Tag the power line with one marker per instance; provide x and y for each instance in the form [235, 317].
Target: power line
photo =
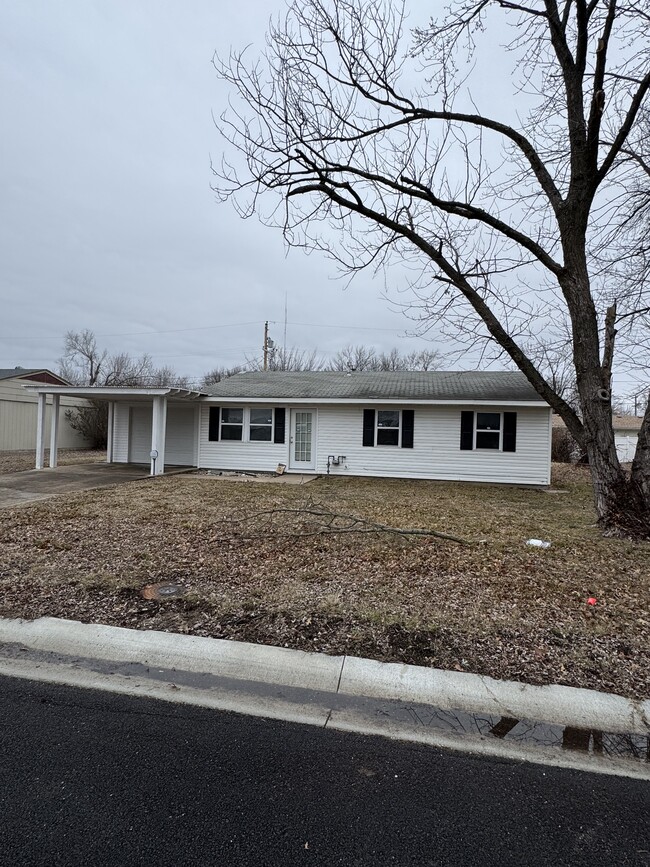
[141, 333]
[339, 326]
[345, 326]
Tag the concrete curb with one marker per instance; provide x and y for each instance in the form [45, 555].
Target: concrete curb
[474, 693]
[561, 705]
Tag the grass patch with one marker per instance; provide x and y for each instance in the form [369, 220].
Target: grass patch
[495, 606]
[19, 461]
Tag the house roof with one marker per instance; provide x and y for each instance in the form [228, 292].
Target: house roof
[627, 422]
[28, 373]
[619, 422]
[470, 386]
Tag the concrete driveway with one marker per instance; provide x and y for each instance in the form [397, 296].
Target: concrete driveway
[33, 485]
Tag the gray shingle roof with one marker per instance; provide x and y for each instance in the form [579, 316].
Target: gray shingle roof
[11, 372]
[436, 385]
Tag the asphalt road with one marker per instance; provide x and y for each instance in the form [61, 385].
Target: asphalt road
[90, 778]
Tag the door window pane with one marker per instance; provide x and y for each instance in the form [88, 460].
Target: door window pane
[302, 437]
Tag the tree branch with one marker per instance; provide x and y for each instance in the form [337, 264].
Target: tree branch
[625, 128]
[608, 351]
[493, 325]
[354, 524]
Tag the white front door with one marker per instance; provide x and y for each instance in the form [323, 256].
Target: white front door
[302, 445]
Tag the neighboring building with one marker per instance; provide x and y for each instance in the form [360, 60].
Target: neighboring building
[471, 426]
[18, 410]
[626, 434]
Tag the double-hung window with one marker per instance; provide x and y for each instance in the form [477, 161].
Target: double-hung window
[488, 430]
[232, 423]
[261, 425]
[244, 424]
[388, 427]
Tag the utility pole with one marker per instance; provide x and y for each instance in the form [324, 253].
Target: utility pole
[266, 346]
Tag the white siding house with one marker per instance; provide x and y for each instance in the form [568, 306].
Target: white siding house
[18, 410]
[132, 431]
[467, 426]
[418, 436]
[336, 446]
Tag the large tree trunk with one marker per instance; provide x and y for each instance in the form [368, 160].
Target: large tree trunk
[622, 501]
[641, 463]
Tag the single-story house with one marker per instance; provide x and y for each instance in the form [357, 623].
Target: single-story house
[626, 434]
[18, 410]
[471, 426]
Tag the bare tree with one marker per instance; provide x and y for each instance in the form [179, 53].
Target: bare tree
[423, 359]
[366, 358]
[212, 377]
[84, 363]
[159, 377]
[288, 359]
[507, 243]
[354, 358]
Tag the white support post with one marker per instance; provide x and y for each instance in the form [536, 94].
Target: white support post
[109, 432]
[54, 431]
[158, 432]
[40, 431]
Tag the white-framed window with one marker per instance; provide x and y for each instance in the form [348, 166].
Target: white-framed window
[260, 425]
[488, 430]
[232, 423]
[247, 424]
[388, 427]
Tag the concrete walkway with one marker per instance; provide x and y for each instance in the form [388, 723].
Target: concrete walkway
[33, 485]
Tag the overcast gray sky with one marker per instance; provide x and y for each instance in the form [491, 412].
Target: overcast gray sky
[109, 220]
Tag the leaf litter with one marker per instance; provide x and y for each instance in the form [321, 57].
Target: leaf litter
[495, 606]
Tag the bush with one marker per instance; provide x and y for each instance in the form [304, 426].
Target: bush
[564, 449]
[91, 422]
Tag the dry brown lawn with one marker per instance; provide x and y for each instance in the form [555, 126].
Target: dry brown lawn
[495, 606]
[17, 461]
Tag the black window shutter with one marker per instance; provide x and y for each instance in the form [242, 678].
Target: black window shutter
[213, 426]
[368, 427]
[278, 433]
[407, 428]
[467, 430]
[509, 431]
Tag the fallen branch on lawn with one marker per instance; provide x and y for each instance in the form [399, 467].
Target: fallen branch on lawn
[330, 524]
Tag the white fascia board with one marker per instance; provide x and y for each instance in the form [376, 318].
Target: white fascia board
[113, 393]
[364, 401]
[105, 393]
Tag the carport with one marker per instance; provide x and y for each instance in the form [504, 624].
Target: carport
[154, 407]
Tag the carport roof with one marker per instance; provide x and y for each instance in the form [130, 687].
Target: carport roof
[115, 393]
